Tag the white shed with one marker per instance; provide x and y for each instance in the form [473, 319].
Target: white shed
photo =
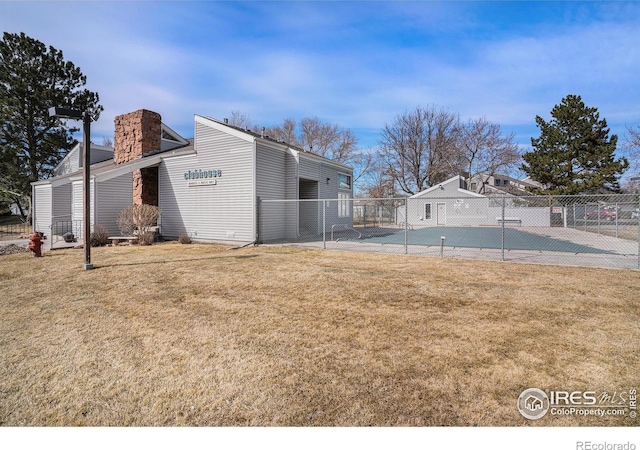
[446, 203]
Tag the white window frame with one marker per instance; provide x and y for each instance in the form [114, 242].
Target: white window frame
[427, 216]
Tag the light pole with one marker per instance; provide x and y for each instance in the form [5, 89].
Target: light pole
[76, 114]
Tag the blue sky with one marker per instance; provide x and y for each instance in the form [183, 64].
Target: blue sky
[357, 64]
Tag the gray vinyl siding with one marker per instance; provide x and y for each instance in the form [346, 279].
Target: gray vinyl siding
[224, 211]
[62, 201]
[77, 206]
[270, 185]
[309, 169]
[113, 196]
[291, 193]
[61, 212]
[43, 209]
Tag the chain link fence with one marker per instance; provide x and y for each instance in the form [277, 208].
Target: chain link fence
[13, 227]
[597, 230]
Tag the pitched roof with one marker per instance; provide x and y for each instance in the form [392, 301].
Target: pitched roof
[267, 139]
[109, 169]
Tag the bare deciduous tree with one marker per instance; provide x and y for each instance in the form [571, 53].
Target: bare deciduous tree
[315, 136]
[420, 148]
[362, 162]
[634, 136]
[632, 147]
[285, 132]
[242, 120]
[326, 139]
[379, 183]
[485, 151]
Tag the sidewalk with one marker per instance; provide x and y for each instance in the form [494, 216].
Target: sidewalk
[46, 244]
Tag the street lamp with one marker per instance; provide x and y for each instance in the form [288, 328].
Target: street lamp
[76, 114]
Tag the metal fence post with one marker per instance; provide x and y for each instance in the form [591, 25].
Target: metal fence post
[504, 201]
[406, 225]
[324, 224]
[617, 219]
[364, 216]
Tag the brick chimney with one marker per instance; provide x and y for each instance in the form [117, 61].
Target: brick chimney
[136, 134]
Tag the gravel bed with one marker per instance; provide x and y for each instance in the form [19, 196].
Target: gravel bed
[12, 249]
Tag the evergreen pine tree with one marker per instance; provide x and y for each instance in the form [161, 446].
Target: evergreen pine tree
[574, 153]
[34, 78]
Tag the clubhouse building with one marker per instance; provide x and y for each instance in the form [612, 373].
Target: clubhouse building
[208, 187]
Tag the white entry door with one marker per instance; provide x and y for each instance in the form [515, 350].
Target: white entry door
[441, 211]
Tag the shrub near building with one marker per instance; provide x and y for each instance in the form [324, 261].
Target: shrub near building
[140, 221]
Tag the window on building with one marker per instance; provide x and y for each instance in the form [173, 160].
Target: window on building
[344, 181]
[427, 211]
[168, 137]
[474, 186]
[497, 182]
[505, 182]
[343, 205]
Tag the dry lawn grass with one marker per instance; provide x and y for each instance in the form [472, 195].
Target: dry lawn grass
[198, 335]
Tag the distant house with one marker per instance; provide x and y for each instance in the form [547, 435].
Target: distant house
[500, 185]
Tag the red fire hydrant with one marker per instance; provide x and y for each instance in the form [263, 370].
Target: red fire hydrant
[36, 244]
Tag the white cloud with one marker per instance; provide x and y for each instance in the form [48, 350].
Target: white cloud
[358, 65]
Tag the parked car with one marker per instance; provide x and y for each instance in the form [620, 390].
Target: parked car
[607, 213]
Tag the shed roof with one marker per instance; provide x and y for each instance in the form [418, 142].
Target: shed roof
[452, 186]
